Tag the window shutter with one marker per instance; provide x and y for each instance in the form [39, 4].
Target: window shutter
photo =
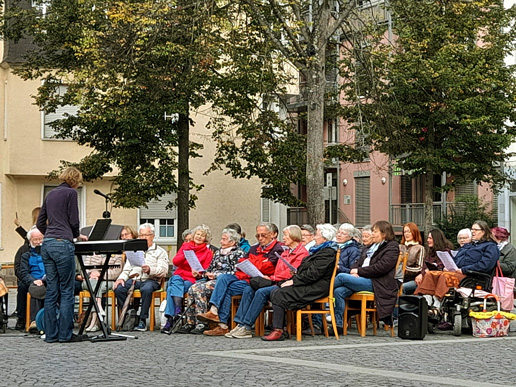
[467, 189]
[362, 201]
[265, 210]
[156, 208]
[48, 131]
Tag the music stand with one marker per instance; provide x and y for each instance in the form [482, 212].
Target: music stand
[100, 229]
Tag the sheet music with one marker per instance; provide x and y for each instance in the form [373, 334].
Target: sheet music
[292, 268]
[447, 260]
[248, 268]
[135, 258]
[193, 261]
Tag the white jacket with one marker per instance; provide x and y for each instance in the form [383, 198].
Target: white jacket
[156, 258]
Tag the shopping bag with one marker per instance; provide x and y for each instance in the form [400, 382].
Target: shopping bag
[503, 287]
[491, 324]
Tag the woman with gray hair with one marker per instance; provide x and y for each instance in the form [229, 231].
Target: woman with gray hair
[309, 283]
[349, 248]
[198, 296]
[464, 236]
[184, 276]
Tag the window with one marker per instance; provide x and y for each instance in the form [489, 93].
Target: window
[332, 131]
[362, 201]
[61, 112]
[80, 200]
[164, 221]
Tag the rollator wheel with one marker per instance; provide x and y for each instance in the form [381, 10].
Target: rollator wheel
[457, 324]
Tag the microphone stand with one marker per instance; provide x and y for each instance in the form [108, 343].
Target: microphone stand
[106, 214]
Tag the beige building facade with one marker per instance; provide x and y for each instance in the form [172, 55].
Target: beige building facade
[27, 155]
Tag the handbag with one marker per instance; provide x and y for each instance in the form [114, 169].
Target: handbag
[503, 287]
[260, 282]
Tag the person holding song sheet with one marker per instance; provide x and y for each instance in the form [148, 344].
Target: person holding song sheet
[311, 281]
[480, 255]
[256, 296]
[154, 268]
[194, 253]
[261, 255]
[198, 296]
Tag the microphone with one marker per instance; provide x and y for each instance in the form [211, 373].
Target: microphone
[97, 192]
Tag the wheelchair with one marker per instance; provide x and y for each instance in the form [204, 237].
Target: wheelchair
[456, 307]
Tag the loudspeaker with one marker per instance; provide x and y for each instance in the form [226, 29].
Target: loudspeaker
[412, 317]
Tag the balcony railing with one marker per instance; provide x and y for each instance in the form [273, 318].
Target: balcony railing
[413, 212]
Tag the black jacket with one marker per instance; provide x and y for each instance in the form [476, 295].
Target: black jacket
[312, 281]
[381, 271]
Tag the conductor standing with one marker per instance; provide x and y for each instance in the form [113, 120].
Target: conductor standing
[59, 222]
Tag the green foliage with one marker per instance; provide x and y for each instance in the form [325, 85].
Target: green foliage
[126, 64]
[439, 96]
[463, 213]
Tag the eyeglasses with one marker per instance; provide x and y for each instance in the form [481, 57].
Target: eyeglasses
[261, 235]
[463, 238]
[145, 235]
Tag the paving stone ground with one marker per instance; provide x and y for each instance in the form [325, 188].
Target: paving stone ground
[155, 359]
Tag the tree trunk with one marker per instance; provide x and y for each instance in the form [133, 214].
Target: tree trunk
[314, 155]
[183, 182]
[316, 82]
[429, 202]
[429, 184]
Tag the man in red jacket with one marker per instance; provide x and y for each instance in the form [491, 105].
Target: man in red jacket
[262, 256]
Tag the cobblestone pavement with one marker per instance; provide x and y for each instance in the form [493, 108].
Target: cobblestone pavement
[188, 360]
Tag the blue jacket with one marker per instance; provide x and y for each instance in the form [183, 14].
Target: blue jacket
[349, 254]
[244, 245]
[31, 266]
[477, 256]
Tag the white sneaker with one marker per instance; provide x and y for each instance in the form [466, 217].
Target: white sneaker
[232, 331]
[243, 334]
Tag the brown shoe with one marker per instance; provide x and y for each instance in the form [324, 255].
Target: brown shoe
[218, 331]
[208, 316]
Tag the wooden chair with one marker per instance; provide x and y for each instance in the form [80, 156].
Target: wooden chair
[259, 324]
[330, 300]
[27, 313]
[367, 306]
[159, 294]
[111, 294]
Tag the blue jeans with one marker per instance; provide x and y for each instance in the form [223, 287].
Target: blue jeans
[227, 286]
[345, 286]
[146, 289]
[252, 304]
[177, 287]
[409, 287]
[59, 260]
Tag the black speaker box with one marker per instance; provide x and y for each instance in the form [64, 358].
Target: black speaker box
[412, 317]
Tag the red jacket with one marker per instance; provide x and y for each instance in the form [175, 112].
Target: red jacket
[263, 258]
[183, 268]
[295, 257]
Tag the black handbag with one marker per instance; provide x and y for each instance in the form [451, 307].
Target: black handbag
[260, 282]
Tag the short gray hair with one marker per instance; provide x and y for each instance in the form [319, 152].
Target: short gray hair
[150, 226]
[307, 227]
[349, 228]
[267, 225]
[33, 230]
[328, 232]
[465, 231]
[205, 229]
[186, 233]
[232, 234]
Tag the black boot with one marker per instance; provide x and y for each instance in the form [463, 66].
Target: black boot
[20, 324]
